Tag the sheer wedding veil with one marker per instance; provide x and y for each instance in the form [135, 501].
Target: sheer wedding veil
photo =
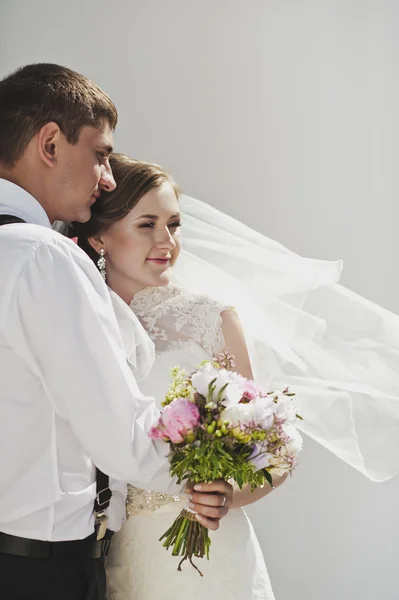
[337, 351]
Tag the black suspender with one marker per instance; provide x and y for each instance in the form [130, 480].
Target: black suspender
[103, 492]
[101, 504]
[6, 219]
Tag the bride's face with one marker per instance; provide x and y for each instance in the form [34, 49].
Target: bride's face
[141, 249]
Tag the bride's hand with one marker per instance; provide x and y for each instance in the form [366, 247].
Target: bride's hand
[210, 501]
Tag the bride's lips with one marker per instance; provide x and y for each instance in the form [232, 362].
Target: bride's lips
[159, 261]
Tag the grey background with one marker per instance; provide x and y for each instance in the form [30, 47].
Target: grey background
[283, 113]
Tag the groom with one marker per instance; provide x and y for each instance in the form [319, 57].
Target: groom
[68, 400]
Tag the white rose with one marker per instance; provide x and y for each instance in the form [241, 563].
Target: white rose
[203, 377]
[285, 409]
[239, 414]
[264, 409]
[296, 442]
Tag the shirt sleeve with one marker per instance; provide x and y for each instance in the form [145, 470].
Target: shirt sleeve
[59, 319]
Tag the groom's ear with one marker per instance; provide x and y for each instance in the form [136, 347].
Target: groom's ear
[96, 243]
[48, 140]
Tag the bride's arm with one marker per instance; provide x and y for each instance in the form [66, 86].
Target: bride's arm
[234, 342]
[236, 346]
[245, 496]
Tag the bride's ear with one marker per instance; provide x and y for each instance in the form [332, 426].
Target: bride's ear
[96, 243]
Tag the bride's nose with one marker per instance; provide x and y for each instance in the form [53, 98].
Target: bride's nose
[165, 240]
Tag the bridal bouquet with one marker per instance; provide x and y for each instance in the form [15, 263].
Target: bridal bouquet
[220, 425]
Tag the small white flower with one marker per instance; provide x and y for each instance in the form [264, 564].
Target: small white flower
[279, 471]
[211, 405]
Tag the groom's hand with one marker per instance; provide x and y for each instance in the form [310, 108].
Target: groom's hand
[210, 501]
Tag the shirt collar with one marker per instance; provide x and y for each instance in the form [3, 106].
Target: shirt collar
[16, 201]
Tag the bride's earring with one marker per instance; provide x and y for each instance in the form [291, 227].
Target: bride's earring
[101, 264]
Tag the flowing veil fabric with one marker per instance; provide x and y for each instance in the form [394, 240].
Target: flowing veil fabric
[338, 351]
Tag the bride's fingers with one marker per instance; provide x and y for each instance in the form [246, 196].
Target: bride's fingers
[208, 523]
[219, 485]
[211, 500]
[220, 490]
[208, 510]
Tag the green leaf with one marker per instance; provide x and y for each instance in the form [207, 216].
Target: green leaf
[268, 477]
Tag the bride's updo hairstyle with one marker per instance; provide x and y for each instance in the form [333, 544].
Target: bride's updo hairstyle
[134, 178]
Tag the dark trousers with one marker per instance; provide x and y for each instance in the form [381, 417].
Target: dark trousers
[24, 578]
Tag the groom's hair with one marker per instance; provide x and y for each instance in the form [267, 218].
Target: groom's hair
[41, 93]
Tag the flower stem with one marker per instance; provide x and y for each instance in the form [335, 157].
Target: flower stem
[188, 539]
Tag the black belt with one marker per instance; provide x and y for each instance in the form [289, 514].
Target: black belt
[87, 548]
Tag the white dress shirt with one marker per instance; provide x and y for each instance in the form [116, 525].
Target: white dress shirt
[68, 399]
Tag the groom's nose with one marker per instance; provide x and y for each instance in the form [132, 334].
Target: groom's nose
[107, 181]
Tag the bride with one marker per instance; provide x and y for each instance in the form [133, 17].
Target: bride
[137, 227]
[337, 350]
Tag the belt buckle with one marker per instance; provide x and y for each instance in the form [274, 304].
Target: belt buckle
[102, 524]
[107, 496]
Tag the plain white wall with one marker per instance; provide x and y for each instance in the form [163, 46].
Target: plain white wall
[284, 114]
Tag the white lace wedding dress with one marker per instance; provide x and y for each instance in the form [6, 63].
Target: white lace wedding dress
[186, 329]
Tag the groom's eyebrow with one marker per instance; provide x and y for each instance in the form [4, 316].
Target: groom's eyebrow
[106, 149]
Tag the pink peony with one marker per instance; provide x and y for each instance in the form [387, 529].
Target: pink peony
[180, 417]
[157, 433]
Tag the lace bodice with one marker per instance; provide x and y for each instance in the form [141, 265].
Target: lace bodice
[186, 328]
[174, 317]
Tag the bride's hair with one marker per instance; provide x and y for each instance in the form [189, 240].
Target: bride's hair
[133, 178]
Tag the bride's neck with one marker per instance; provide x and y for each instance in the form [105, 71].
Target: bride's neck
[125, 291]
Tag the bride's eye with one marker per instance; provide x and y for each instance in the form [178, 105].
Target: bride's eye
[173, 227]
[147, 225]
